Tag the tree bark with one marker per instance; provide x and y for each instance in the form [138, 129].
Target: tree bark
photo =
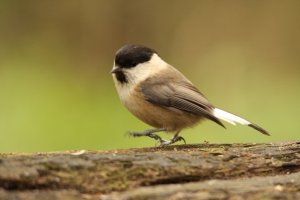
[200, 171]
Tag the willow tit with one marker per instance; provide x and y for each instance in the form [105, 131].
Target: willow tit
[161, 96]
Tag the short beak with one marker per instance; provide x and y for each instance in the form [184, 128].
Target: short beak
[115, 70]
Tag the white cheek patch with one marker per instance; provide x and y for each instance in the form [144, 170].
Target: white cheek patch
[136, 75]
[145, 70]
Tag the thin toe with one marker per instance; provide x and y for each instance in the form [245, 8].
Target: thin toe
[133, 134]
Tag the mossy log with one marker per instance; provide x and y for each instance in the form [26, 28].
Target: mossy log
[200, 171]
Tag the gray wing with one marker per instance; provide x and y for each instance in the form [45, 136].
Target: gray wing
[181, 95]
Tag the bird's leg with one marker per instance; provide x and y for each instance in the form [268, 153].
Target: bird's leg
[149, 133]
[175, 139]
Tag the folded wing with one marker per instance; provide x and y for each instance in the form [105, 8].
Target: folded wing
[178, 95]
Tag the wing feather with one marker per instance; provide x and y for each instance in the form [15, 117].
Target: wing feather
[179, 95]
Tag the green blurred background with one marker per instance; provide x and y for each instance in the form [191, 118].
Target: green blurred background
[56, 90]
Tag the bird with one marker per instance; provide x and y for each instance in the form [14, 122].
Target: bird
[162, 97]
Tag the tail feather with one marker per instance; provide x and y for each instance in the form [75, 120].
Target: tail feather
[258, 128]
[233, 119]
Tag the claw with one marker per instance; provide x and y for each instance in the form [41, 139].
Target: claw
[179, 138]
[175, 139]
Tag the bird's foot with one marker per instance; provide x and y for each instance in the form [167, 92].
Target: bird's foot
[148, 133]
[161, 142]
[175, 139]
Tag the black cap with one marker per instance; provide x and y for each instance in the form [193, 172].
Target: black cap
[131, 55]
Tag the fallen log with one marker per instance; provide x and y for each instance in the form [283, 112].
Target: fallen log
[200, 171]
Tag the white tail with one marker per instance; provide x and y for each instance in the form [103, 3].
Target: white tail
[233, 119]
[230, 118]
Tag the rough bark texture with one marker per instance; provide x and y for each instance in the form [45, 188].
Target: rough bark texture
[202, 171]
